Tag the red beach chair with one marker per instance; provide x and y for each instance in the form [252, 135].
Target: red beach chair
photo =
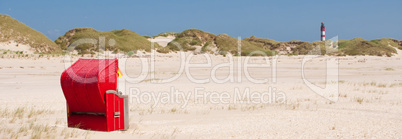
[93, 102]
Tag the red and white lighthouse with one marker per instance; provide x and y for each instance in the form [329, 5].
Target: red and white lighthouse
[322, 31]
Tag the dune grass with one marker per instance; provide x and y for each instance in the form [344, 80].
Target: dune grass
[262, 43]
[187, 39]
[13, 30]
[224, 43]
[359, 46]
[117, 40]
[165, 34]
[128, 41]
[389, 69]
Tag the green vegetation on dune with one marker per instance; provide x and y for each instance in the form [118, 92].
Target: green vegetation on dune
[124, 40]
[202, 42]
[146, 36]
[293, 47]
[263, 43]
[190, 38]
[359, 46]
[13, 30]
[224, 44]
[388, 42]
[303, 48]
[165, 34]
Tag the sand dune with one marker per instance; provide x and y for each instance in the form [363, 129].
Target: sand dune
[14, 46]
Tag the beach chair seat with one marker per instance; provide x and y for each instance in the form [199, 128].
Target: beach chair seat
[93, 101]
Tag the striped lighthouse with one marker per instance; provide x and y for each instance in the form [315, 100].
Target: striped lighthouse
[322, 31]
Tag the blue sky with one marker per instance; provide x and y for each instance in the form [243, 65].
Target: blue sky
[279, 20]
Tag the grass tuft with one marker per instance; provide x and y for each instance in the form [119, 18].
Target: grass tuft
[389, 69]
[359, 100]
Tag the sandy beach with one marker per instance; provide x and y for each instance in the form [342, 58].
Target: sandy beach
[368, 105]
[200, 69]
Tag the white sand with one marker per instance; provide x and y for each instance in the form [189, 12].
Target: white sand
[369, 105]
[162, 41]
[14, 46]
